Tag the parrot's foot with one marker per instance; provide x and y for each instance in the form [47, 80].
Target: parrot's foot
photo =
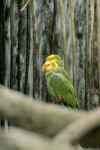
[60, 97]
[61, 102]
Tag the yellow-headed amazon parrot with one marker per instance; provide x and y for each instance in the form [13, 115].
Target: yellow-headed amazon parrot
[59, 84]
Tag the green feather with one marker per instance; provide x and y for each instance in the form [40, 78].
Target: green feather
[59, 83]
[59, 61]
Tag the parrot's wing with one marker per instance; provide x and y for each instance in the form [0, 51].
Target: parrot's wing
[62, 71]
[51, 90]
[62, 87]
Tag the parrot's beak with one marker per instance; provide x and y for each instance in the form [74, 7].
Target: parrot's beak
[43, 69]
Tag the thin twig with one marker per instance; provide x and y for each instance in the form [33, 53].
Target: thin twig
[27, 2]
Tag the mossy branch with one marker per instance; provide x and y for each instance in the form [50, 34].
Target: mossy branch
[84, 125]
[34, 115]
[23, 140]
[50, 120]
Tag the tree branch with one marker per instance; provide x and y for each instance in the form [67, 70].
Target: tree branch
[34, 115]
[23, 140]
[75, 132]
[48, 119]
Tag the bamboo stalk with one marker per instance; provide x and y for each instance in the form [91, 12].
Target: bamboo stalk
[63, 22]
[91, 38]
[53, 35]
[86, 55]
[33, 28]
[98, 41]
[11, 37]
[73, 45]
[91, 30]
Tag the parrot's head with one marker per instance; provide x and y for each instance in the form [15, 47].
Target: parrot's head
[49, 66]
[53, 57]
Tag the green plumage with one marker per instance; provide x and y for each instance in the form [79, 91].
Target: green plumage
[59, 83]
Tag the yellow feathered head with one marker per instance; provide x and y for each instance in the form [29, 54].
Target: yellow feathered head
[53, 57]
[49, 66]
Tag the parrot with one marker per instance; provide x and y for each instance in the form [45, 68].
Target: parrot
[59, 84]
[57, 58]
